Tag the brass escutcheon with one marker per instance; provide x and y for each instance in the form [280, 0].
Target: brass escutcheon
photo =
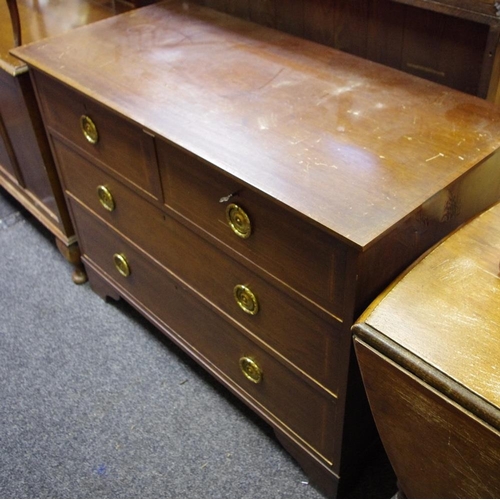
[238, 220]
[122, 264]
[89, 129]
[106, 198]
[246, 299]
[251, 370]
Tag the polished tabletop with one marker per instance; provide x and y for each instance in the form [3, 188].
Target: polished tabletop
[446, 312]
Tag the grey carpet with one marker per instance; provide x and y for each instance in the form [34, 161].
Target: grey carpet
[95, 403]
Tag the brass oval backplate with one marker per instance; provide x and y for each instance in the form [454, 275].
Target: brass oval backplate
[122, 264]
[246, 299]
[106, 198]
[251, 370]
[89, 129]
[238, 220]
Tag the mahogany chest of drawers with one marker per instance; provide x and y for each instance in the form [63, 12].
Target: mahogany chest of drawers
[429, 350]
[251, 192]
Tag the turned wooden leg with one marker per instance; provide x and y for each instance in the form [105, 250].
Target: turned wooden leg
[72, 254]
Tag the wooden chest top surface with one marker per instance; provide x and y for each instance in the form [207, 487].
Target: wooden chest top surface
[445, 309]
[350, 144]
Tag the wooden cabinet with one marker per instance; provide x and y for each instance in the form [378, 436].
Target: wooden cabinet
[251, 192]
[452, 42]
[27, 168]
[428, 351]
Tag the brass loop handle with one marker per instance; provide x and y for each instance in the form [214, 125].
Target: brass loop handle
[251, 370]
[122, 264]
[246, 299]
[106, 198]
[238, 220]
[89, 129]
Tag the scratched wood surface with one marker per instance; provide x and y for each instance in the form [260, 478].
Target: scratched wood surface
[445, 310]
[298, 118]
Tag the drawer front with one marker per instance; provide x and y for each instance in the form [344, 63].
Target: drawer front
[120, 145]
[303, 338]
[304, 257]
[309, 413]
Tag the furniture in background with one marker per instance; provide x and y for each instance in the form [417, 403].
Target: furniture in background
[429, 351]
[251, 192]
[27, 169]
[452, 42]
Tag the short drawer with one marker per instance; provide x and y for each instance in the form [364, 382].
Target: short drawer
[249, 370]
[101, 134]
[305, 339]
[299, 254]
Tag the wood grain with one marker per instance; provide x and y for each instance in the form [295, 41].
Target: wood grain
[445, 310]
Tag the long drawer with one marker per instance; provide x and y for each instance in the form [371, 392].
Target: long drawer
[306, 340]
[103, 136]
[262, 231]
[248, 369]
